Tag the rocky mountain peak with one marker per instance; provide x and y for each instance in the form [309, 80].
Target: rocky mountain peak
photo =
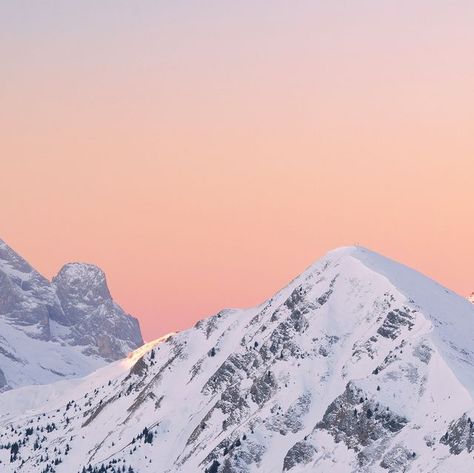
[9, 258]
[82, 282]
[95, 320]
[73, 322]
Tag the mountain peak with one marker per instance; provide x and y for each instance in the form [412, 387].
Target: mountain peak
[81, 270]
[84, 280]
[95, 320]
[26, 298]
[450, 317]
[69, 326]
[360, 361]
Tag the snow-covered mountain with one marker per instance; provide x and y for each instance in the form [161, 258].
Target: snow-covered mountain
[471, 298]
[50, 331]
[360, 364]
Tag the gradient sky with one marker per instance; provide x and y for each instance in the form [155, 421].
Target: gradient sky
[204, 153]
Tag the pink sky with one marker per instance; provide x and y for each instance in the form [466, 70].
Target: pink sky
[205, 154]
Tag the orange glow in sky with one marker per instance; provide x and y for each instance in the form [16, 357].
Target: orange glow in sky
[205, 153]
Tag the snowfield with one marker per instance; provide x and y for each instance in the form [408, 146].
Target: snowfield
[360, 364]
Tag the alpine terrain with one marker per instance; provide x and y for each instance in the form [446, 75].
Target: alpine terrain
[360, 364]
[51, 331]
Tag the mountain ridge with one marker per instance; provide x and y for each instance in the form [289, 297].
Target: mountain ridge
[341, 369]
[66, 327]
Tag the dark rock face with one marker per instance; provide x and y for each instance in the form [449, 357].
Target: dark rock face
[3, 381]
[358, 422]
[460, 436]
[95, 320]
[395, 320]
[263, 388]
[300, 453]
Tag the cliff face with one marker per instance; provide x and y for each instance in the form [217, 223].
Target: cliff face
[96, 322]
[27, 299]
[53, 330]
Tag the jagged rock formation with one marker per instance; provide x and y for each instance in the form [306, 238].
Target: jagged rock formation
[52, 331]
[358, 365]
[26, 298]
[96, 322]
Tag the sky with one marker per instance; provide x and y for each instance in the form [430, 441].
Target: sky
[205, 153]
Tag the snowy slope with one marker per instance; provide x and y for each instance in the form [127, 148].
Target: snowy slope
[54, 331]
[360, 364]
[471, 298]
[25, 360]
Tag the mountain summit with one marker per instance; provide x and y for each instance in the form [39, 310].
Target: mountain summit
[360, 364]
[50, 331]
[96, 322]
